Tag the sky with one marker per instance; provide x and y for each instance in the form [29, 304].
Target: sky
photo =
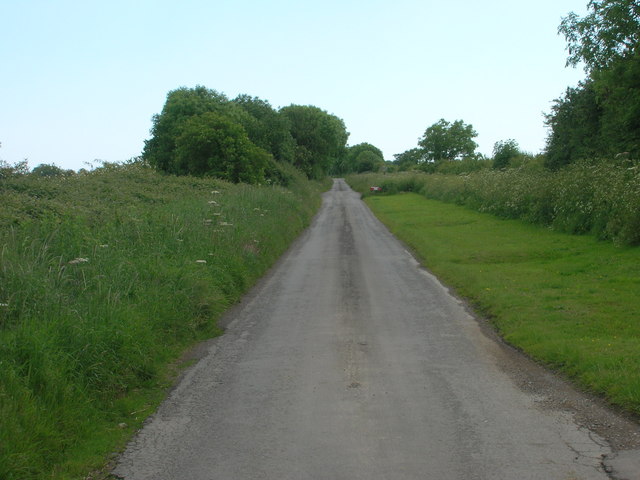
[81, 80]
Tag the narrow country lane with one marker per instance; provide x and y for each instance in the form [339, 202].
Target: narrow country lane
[351, 362]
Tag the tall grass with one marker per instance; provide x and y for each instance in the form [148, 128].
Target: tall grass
[598, 198]
[104, 279]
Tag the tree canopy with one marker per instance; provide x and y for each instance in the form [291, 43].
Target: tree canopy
[269, 129]
[409, 158]
[601, 116]
[181, 104]
[352, 161]
[368, 161]
[320, 138]
[201, 132]
[213, 145]
[503, 152]
[448, 141]
[574, 124]
[610, 32]
[50, 170]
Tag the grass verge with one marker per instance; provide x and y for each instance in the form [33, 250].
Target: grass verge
[105, 278]
[599, 197]
[568, 301]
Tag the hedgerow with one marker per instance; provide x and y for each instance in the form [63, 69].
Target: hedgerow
[598, 198]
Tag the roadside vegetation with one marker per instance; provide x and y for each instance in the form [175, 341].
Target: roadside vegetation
[105, 278]
[601, 198]
[571, 302]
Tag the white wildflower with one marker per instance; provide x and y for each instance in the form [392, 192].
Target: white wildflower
[75, 261]
[201, 261]
[215, 192]
[4, 305]
[213, 202]
[226, 224]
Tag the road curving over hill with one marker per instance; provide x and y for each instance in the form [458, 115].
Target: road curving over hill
[349, 361]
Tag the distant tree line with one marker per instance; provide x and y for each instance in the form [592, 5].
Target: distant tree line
[202, 132]
[449, 147]
[359, 158]
[442, 146]
[600, 118]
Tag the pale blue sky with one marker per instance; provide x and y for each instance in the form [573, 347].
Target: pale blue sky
[80, 80]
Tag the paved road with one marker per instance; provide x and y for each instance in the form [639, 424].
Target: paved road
[350, 362]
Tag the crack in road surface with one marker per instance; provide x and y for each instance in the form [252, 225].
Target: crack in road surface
[350, 362]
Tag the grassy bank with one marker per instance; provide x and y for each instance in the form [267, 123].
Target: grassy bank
[569, 301]
[597, 198]
[105, 278]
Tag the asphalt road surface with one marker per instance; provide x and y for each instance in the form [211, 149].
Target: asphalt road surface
[349, 361]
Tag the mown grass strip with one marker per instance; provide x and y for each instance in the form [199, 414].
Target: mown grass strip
[598, 197]
[569, 301]
[105, 278]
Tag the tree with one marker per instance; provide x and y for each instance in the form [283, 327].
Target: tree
[213, 145]
[181, 104]
[355, 150]
[601, 117]
[448, 141]
[409, 158]
[574, 123]
[46, 170]
[368, 161]
[348, 162]
[617, 91]
[271, 130]
[610, 32]
[320, 138]
[503, 152]
[19, 168]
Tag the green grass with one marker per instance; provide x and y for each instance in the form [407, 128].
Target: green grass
[569, 301]
[105, 278]
[599, 197]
